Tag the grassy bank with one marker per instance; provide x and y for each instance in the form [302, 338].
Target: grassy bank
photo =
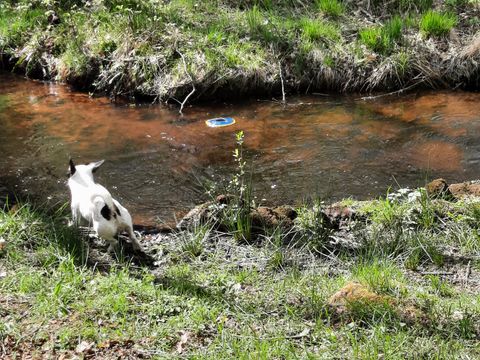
[222, 49]
[414, 264]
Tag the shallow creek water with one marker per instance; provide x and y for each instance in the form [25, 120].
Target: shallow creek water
[157, 164]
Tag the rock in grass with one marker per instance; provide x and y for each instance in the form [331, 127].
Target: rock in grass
[355, 301]
[196, 216]
[352, 293]
[438, 188]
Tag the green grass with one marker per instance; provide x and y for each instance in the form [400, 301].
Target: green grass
[434, 23]
[212, 297]
[332, 8]
[319, 30]
[383, 39]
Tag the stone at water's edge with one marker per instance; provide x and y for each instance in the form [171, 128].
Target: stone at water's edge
[438, 188]
[262, 217]
[338, 215]
[265, 217]
[465, 189]
[200, 214]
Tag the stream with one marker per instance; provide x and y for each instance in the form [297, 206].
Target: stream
[159, 164]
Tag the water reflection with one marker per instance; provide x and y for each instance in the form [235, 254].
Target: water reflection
[157, 163]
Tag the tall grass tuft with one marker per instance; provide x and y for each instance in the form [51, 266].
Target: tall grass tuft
[434, 23]
[383, 39]
[332, 8]
[258, 24]
[313, 225]
[315, 30]
[192, 242]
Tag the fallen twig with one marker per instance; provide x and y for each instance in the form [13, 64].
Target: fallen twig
[392, 93]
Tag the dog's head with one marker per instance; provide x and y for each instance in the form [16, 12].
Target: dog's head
[84, 172]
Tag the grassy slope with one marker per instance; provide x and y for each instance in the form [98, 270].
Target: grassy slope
[138, 47]
[213, 298]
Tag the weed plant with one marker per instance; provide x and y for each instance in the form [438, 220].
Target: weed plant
[237, 213]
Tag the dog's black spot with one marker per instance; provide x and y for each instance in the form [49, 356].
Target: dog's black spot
[72, 167]
[106, 212]
[117, 210]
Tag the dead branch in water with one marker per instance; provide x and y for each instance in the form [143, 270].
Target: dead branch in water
[397, 92]
[182, 104]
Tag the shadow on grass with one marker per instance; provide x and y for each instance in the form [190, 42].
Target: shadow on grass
[181, 285]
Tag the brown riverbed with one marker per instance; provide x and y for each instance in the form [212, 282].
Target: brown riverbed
[158, 163]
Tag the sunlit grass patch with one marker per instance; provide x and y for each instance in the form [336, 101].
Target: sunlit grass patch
[317, 30]
[434, 23]
[381, 277]
[25, 226]
[16, 26]
[383, 39]
[385, 211]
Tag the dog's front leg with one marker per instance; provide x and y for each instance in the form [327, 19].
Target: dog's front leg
[75, 216]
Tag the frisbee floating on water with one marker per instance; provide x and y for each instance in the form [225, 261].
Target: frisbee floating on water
[219, 122]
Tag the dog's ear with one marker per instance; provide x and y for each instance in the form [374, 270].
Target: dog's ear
[96, 165]
[72, 167]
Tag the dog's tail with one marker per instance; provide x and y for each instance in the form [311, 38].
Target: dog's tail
[103, 207]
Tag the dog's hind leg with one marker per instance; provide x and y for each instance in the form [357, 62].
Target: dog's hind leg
[133, 238]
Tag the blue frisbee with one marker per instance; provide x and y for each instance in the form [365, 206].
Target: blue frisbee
[219, 122]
